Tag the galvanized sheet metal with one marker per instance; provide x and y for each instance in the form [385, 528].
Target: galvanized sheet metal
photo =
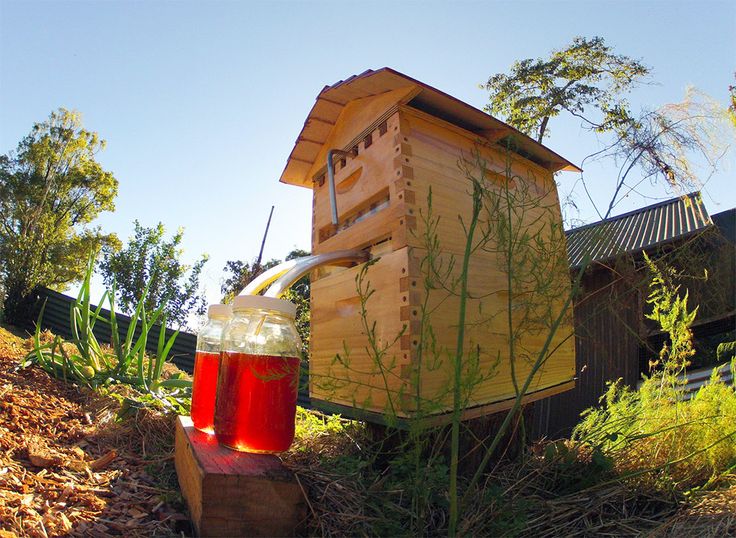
[693, 381]
[638, 230]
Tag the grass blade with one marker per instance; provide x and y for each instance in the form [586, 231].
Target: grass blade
[139, 311]
[141, 347]
[119, 355]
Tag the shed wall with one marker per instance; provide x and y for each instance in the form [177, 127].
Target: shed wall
[606, 348]
[613, 338]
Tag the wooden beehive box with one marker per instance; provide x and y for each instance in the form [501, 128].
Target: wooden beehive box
[403, 139]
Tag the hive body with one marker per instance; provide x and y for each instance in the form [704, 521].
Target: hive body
[384, 338]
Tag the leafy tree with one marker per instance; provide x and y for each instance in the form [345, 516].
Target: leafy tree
[151, 259]
[589, 81]
[238, 274]
[51, 188]
[586, 74]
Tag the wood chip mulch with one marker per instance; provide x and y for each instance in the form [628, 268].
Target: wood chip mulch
[67, 468]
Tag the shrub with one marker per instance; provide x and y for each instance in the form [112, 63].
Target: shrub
[655, 433]
[86, 362]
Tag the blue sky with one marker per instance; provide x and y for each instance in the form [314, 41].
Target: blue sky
[200, 103]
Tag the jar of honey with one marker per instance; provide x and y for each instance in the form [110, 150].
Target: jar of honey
[206, 366]
[259, 376]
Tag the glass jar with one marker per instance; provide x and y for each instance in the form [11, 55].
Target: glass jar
[259, 376]
[206, 366]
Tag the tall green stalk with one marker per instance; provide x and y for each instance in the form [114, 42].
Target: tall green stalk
[506, 230]
[457, 401]
[540, 360]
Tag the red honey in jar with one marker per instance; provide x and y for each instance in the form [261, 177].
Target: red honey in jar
[206, 366]
[261, 391]
[258, 376]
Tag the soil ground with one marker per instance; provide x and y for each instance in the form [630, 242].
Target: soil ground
[68, 468]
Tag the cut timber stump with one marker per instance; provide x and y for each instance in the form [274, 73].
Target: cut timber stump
[233, 493]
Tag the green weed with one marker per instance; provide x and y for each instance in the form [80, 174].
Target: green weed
[86, 362]
[655, 434]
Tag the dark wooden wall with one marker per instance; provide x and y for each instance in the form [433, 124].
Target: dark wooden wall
[606, 347]
[613, 338]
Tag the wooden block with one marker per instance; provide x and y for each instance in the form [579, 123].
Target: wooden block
[232, 493]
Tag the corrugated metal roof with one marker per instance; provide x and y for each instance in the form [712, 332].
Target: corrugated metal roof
[638, 230]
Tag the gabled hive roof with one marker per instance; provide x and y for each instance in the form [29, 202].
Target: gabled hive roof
[332, 99]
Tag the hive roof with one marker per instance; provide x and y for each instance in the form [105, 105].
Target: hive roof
[332, 99]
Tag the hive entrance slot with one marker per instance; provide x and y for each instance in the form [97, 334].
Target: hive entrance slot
[349, 182]
[362, 211]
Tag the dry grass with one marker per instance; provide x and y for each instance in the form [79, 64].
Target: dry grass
[351, 494]
[711, 515]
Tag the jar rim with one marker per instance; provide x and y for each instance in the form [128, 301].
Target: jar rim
[243, 302]
[220, 311]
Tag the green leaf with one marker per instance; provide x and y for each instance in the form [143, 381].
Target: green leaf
[726, 351]
[174, 383]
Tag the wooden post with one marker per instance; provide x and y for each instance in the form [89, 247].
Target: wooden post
[232, 493]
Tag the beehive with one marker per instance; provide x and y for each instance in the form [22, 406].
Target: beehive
[399, 139]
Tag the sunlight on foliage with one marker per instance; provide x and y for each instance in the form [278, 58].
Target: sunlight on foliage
[656, 433]
[51, 189]
[583, 76]
[85, 362]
